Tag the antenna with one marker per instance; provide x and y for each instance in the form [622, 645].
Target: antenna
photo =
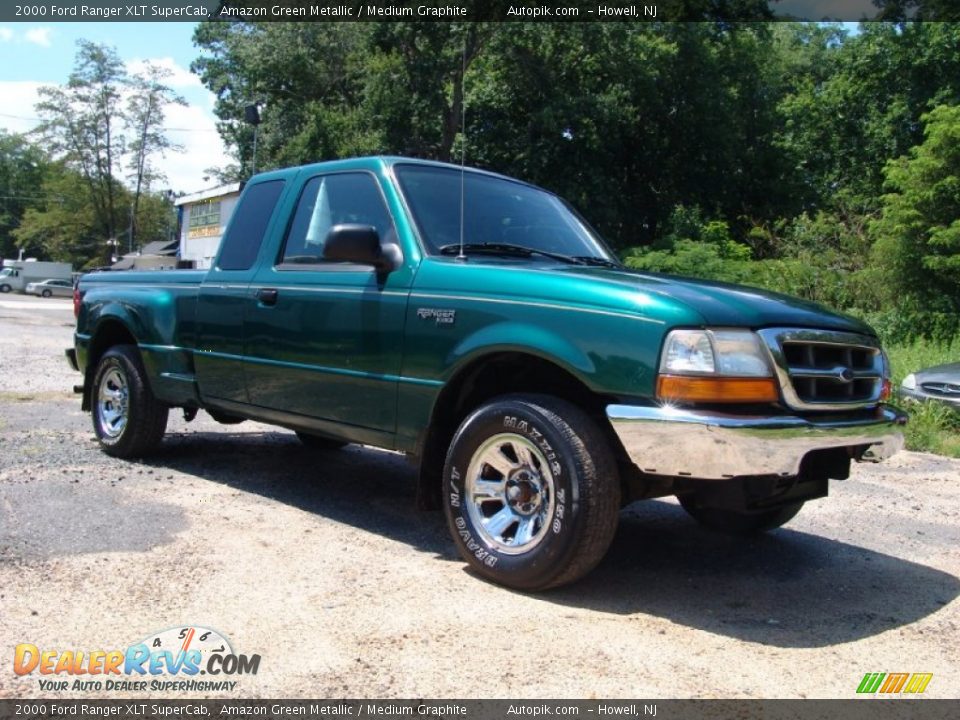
[463, 142]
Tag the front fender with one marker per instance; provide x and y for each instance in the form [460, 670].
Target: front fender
[509, 336]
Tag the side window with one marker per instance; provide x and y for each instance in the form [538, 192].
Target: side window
[248, 225]
[329, 200]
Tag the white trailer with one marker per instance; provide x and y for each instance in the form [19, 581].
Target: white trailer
[16, 274]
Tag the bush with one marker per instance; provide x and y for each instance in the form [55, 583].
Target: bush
[729, 262]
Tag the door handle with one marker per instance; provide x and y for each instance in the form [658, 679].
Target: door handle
[267, 296]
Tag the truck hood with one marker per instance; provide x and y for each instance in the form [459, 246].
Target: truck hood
[725, 304]
[677, 301]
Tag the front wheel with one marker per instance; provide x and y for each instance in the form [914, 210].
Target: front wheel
[46, 293]
[127, 419]
[732, 522]
[531, 492]
[5, 288]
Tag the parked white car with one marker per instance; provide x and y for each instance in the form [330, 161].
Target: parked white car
[49, 288]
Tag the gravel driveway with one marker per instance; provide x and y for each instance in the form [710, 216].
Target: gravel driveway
[319, 562]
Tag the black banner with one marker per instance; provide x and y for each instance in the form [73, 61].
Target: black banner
[143, 709]
[475, 10]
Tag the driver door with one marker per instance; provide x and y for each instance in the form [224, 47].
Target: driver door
[324, 340]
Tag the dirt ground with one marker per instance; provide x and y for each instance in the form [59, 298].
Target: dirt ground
[320, 563]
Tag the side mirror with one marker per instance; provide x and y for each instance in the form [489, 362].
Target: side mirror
[360, 244]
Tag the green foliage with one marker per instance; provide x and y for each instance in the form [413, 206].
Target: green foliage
[99, 122]
[933, 427]
[22, 169]
[918, 236]
[145, 115]
[81, 125]
[64, 225]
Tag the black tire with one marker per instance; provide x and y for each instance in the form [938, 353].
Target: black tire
[560, 491]
[132, 425]
[731, 522]
[317, 442]
[5, 288]
[46, 293]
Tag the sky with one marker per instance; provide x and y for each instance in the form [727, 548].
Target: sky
[33, 55]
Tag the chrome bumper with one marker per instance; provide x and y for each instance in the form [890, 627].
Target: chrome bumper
[718, 446]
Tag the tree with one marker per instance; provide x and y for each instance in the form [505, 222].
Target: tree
[83, 121]
[863, 107]
[308, 77]
[146, 108]
[101, 121]
[918, 236]
[417, 90]
[63, 226]
[23, 166]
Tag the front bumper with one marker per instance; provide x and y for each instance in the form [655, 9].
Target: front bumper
[716, 446]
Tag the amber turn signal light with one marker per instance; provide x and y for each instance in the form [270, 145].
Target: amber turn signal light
[887, 391]
[679, 388]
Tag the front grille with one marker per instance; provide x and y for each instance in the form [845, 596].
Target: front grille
[826, 370]
[942, 388]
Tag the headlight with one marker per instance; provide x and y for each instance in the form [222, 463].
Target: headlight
[715, 366]
[688, 351]
[735, 353]
[910, 382]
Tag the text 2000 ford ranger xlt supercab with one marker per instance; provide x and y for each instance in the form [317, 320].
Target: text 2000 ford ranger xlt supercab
[539, 384]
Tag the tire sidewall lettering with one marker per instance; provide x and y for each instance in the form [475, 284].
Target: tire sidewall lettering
[562, 529]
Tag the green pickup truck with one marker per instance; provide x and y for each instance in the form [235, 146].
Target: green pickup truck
[479, 325]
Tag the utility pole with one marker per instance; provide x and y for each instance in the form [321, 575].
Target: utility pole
[251, 114]
[130, 231]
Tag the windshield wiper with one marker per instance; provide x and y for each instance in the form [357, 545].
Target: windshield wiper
[506, 249]
[594, 260]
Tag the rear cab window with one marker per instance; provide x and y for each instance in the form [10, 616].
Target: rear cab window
[249, 223]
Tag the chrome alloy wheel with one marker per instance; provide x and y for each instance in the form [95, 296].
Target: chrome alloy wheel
[113, 403]
[510, 493]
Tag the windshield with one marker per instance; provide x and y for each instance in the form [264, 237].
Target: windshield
[496, 212]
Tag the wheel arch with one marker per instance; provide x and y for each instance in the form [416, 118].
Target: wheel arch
[483, 377]
[110, 331]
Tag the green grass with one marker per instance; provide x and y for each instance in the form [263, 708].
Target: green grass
[933, 427]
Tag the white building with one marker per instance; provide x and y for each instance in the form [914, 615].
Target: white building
[203, 219]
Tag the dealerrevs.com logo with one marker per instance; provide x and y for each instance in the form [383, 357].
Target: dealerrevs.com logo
[887, 684]
[191, 658]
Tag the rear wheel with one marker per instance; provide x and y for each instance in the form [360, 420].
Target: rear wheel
[531, 492]
[734, 522]
[317, 442]
[127, 419]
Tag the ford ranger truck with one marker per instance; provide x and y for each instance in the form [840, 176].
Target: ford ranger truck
[479, 325]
